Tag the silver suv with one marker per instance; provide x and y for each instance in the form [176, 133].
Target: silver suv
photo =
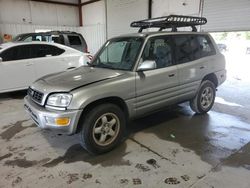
[67, 38]
[131, 76]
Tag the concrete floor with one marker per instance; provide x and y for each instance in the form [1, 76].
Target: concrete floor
[171, 147]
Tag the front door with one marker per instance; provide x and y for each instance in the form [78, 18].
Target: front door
[157, 88]
[16, 69]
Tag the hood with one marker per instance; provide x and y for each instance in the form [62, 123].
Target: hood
[69, 80]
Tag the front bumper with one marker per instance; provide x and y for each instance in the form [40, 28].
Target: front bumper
[40, 114]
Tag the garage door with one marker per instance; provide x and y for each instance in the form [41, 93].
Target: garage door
[226, 15]
[121, 13]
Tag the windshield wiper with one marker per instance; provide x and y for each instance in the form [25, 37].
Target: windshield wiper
[102, 65]
[91, 64]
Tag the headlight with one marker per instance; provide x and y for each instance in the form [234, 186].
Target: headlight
[59, 100]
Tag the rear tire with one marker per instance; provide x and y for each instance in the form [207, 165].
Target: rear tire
[204, 99]
[102, 128]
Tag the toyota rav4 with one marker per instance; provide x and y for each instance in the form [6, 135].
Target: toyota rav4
[131, 76]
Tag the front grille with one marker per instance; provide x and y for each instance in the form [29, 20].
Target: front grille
[35, 95]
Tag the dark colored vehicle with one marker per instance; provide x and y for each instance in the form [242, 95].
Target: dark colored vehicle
[222, 47]
[68, 38]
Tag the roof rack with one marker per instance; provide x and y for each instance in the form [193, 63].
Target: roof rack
[171, 21]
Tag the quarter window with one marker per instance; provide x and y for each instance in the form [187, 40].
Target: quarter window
[206, 46]
[74, 40]
[159, 49]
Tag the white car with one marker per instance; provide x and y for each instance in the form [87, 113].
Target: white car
[21, 63]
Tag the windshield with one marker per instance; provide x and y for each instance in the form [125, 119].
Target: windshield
[18, 38]
[119, 53]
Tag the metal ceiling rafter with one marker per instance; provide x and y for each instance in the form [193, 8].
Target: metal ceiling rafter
[89, 2]
[56, 2]
[65, 3]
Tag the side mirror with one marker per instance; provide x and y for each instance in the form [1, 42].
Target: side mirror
[147, 65]
[1, 59]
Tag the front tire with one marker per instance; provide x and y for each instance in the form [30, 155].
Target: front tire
[204, 99]
[102, 128]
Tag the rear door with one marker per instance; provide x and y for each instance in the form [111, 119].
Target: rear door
[48, 59]
[159, 87]
[16, 70]
[190, 66]
[192, 53]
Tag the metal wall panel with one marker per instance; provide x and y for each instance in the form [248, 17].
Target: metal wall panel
[94, 25]
[52, 14]
[183, 7]
[95, 36]
[120, 13]
[37, 13]
[94, 13]
[226, 15]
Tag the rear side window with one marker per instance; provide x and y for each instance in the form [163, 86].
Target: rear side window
[57, 39]
[34, 38]
[46, 50]
[37, 38]
[23, 52]
[74, 40]
[183, 51]
[192, 47]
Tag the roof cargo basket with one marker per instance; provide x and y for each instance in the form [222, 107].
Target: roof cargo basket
[171, 21]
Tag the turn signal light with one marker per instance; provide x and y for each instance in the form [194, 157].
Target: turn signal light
[62, 121]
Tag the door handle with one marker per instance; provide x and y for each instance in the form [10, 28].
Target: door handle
[71, 68]
[202, 67]
[171, 75]
[29, 64]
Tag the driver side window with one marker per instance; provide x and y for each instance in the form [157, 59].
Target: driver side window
[158, 49]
